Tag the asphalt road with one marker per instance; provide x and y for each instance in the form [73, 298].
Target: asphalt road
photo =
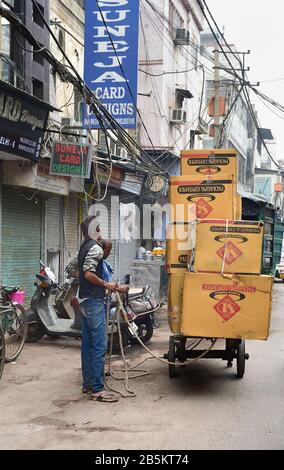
[205, 407]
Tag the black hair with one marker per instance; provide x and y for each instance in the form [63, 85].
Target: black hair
[143, 243]
[104, 243]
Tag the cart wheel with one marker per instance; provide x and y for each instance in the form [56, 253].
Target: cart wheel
[172, 357]
[241, 359]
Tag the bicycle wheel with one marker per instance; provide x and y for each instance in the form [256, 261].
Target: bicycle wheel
[15, 332]
[2, 351]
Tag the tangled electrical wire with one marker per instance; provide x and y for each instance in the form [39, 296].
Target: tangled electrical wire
[67, 73]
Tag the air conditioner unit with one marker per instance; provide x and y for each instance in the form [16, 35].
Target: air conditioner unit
[177, 116]
[181, 37]
[118, 151]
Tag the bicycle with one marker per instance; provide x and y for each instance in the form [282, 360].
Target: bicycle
[14, 324]
[2, 351]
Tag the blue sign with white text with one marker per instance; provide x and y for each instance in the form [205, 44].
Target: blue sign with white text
[111, 59]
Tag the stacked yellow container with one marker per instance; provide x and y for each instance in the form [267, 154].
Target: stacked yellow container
[225, 296]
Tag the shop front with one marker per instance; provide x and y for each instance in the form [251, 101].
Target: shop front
[32, 203]
[22, 204]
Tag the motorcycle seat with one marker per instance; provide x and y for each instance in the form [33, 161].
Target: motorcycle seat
[10, 289]
[136, 291]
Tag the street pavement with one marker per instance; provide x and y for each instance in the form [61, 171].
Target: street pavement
[205, 407]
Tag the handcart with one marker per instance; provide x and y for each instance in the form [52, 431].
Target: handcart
[234, 349]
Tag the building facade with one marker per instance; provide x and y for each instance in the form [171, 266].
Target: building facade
[170, 78]
[237, 129]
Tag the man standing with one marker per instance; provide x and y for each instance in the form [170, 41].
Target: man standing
[92, 289]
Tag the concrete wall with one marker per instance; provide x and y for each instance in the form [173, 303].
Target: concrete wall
[71, 16]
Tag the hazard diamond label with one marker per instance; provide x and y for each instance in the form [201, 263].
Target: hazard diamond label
[230, 251]
[203, 209]
[207, 170]
[227, 308]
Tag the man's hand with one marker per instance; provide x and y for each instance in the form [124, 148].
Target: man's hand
[122, 289]
[112, 286]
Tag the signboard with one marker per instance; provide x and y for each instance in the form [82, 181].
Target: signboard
[115, 179]
[263, 186]
[70, 159]
[111, 58]
[22, 122]
[36, 177]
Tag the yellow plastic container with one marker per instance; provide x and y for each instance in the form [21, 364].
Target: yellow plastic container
[159, 251]
[215, 306]
[228, 246]
[209, 162]
[175, 296]
[181, 238]
[192, 197]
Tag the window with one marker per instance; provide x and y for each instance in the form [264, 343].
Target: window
[5, 34]
[38, 56]
[195, 51]
[38, 88]
[61, 38]
[38, 10]
[241, 169]
[181, 94]
[8, 71]
[175, 20]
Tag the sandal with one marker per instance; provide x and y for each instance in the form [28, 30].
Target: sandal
[104, 396]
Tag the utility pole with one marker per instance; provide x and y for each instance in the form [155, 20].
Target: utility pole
[216, 98]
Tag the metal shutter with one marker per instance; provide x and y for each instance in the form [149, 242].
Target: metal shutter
[21, 240]
[53, 221]
[127, 253]
[72, 226]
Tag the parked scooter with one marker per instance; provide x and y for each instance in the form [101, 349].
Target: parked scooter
[44, 320]
[64, 298]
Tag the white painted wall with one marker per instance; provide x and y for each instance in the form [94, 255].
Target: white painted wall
[158, 54]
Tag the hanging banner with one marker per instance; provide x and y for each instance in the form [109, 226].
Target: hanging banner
[111, 59]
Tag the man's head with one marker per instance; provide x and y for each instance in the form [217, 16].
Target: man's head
[90, 229]
[106, 246]
[143, 243]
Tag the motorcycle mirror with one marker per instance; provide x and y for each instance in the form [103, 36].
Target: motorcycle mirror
[50, 274]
